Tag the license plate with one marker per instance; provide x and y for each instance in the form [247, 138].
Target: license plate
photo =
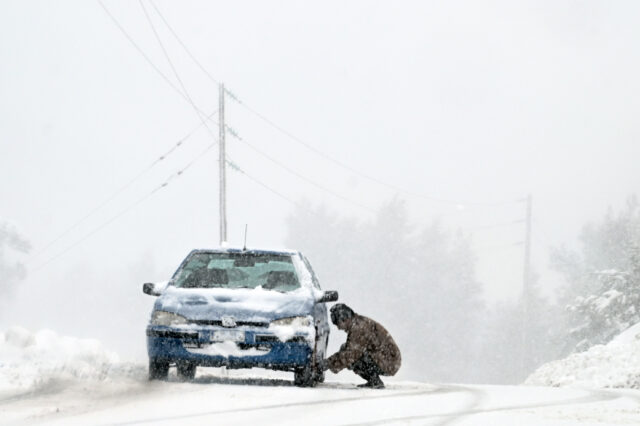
[227, 335]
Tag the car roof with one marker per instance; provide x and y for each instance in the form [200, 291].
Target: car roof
[283, 252]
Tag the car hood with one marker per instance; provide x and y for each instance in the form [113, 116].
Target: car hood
[251, 305]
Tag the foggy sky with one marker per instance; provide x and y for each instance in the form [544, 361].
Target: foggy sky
[478, 102]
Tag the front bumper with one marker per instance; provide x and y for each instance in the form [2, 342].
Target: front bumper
[262, 349]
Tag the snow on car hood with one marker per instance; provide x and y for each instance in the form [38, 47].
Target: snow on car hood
[254, 305]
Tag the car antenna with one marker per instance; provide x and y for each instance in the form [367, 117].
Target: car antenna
[245, 238]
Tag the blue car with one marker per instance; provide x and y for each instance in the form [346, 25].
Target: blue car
[240, 309]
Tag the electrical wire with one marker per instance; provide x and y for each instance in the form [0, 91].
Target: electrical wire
[184, 46]
[136, 203]
[185, 94]
[279, 128]
[144, 55]
[143, 172]
[257, 181]
[263, 185]
[298, 175]
[366, 176]
[291, 136]
[175, 71]
[317, 151]
[119, 191]
[138, 48]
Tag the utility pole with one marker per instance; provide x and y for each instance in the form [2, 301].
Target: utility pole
[526, 291]
[223, 164]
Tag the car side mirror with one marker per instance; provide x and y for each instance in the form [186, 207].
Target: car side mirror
[329, 296]
[150, 289]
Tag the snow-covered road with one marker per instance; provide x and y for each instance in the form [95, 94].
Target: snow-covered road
[241, 398]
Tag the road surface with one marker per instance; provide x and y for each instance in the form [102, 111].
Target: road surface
[249, 397]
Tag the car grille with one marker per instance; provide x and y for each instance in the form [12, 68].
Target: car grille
[238, 323]
[274, 339]
[173, 334]
[265, 339]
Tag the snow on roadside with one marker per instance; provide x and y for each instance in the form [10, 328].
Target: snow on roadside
[614, 365]
[29, 360]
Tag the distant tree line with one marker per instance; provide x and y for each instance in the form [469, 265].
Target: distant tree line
[420, 282]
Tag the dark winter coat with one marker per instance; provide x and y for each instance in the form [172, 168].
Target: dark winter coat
[364, 334]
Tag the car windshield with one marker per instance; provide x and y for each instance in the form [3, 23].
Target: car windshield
[238, 270]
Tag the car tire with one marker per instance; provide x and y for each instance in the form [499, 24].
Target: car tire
[158, 370]
[304, 377]
[318, 376]
[319, 373]
[186, 370]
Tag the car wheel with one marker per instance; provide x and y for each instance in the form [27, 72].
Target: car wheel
[319, 373]
[158, 370]
[186, 370]
[304, 377]
[318, 376]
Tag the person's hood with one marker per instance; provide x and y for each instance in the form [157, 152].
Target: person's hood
[251, 305]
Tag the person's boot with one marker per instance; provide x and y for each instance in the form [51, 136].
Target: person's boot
[373, 383]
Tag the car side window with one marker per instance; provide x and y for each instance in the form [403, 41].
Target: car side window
[316, 283]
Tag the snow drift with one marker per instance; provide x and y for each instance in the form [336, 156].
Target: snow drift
[32, 360]
[614, 365]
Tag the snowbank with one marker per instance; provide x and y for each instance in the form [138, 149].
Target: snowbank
[32, 360]
[614, 365]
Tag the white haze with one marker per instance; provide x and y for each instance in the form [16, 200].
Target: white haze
[478, 102]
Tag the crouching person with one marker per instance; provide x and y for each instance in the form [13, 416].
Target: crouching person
[369, 351]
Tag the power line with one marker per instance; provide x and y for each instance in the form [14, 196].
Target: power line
[185, 94]
[175, 71]
[273, 124]
[298, 175]
[366, 176]
[231, 131]
[233, 96]
[221, 141]
[257, 181]
[138, 48]
[184, 46]
[315, 150]
[127, 209]
[120, 190]
[144, 55]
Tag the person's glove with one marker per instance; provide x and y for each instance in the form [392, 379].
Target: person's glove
[324, 364]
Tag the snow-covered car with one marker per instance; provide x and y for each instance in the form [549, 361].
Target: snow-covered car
[240, 309]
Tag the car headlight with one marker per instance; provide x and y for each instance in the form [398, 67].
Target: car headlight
[293, 321]
[167, 318]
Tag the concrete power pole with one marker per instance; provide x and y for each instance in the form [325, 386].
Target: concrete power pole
[526, 291]
[223, 164]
